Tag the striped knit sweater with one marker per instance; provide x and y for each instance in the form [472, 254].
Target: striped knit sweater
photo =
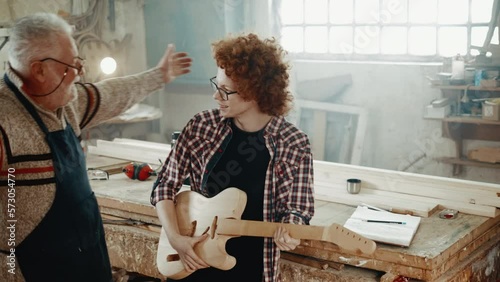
[25, 153]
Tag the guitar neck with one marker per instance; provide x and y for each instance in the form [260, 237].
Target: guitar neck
[236, 227]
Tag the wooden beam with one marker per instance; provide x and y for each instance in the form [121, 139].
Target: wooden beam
[319, 136]
[131, 150]
[466, 196]
[391, 203]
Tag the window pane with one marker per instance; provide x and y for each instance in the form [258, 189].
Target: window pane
[394, 40]
[316, 11]
[367, 39]
[366, 11]
[452, 41]
[422, 41]
[316, 39]
[292, 39]
[292, 12]
[481, 11]
[453, 11]
[423, 11]
[394, 11]
[341, 11]
[477, 37]
[341, 40]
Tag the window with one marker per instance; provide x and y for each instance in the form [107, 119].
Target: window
[422, 30]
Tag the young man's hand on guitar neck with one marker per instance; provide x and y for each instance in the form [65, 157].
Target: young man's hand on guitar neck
[283, 240]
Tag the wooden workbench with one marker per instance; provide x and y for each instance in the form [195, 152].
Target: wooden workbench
[462, 249]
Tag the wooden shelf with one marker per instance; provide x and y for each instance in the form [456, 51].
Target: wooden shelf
[458, 161]
[469, 87]
[473, 120]
[459, 128]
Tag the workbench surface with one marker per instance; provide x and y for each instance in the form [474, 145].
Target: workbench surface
[438, 246]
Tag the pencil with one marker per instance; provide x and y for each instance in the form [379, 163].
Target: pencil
[385, 221]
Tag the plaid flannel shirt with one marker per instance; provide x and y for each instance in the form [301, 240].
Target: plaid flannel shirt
[288, 192]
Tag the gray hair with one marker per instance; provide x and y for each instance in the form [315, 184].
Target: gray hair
[35, 36]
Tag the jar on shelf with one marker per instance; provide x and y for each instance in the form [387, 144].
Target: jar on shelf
[458, 68]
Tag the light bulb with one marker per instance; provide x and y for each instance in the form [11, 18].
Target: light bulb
[108, 65]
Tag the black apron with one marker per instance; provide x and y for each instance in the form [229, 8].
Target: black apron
[69, 242]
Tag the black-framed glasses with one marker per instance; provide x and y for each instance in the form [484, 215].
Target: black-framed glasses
[224, 95]
[79, 67]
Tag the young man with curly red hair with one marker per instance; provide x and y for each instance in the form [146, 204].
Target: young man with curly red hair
[248, 144]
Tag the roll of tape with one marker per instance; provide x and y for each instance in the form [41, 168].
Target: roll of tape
[448, 214]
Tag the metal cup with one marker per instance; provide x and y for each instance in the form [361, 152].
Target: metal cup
[353, 186]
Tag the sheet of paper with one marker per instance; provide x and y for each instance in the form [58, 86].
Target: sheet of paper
[390, 233]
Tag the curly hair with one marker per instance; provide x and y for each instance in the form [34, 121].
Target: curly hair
[257, 68]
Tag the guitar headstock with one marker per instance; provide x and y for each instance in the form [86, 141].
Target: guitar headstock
[348, 239]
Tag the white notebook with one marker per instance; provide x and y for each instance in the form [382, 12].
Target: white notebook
[383, 226]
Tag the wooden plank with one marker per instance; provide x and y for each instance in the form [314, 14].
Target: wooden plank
[122, 193]
[471, 120]
[127, 214]
[389, 277]
[129, 207]
[143, 144]
[399, 201]
[476, 131]
[319, 136]
[293, 272]
[406, 183]
[113, 168]
[481, 265]
[399, 266]
[408, 206]
[469, 202]
[358, 261]
[359, 139]
[464, 252]
[481, 210]
[435, 240]
[393, 180]
[309, 261]
[338, 181]
[128, 151]
[469, 87]
[120, 221]
[95, 161]
[426, 258]
[345, 145]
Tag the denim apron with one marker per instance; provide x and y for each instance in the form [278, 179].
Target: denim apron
[69, 242]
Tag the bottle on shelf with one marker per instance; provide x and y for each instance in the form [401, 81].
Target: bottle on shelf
[458, 68]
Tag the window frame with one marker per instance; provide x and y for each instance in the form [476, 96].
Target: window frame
[379, 56]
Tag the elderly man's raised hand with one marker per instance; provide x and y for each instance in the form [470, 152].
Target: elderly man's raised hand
[174, 64]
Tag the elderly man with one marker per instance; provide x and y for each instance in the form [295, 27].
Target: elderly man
[51, 225]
